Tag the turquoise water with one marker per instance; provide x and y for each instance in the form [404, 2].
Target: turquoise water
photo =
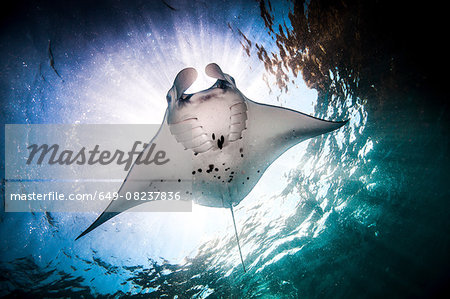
[361, 212]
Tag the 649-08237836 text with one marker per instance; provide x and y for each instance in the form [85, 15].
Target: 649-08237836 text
[97, 195]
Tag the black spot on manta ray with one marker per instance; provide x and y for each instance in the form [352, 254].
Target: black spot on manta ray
[213, 136]
[199, 170]
[211, 167]
[220, 142]
[193, 172]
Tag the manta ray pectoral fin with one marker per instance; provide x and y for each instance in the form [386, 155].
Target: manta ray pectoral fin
[117, 206]
[151, 178]
[317, 126]
[285, 126]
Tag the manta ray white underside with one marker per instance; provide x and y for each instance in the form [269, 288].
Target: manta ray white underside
[230, 140]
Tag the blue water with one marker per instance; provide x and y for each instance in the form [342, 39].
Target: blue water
[362, 212]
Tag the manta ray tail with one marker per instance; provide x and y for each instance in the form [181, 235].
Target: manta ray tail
[237, 238]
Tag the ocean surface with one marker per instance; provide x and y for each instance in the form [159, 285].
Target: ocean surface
[361, 212]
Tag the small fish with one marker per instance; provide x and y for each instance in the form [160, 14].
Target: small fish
[169, 6]
[50, 219]
[52, 60]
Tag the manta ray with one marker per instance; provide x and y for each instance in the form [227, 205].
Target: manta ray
[229, 140]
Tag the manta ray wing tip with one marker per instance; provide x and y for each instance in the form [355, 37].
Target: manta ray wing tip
[86, 231]
[338, 124]
[343, 123]
[105, 216]
[82, 234]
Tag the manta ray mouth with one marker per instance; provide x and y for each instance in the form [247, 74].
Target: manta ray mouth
[185, 97]
[221, 84]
